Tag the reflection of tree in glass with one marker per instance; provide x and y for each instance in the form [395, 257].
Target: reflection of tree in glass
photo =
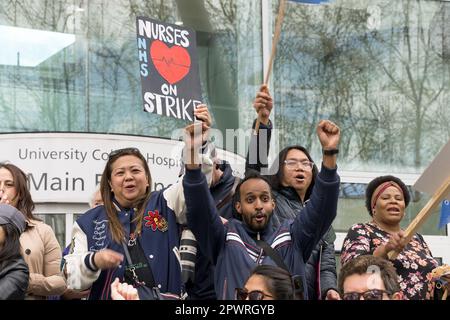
[414, 73]
[385, 86]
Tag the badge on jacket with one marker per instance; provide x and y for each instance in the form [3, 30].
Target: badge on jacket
[154, 220]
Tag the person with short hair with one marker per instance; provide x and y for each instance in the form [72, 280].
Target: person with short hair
[369, 278]
[233, 247]
[14, 274]
[386, 200]
[198, 271]
[134, 221]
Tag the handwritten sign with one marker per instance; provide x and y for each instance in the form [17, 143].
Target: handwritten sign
[169, 68]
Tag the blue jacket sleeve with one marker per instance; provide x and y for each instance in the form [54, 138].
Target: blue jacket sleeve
[319, 212]
[202, 216]
[258, 149]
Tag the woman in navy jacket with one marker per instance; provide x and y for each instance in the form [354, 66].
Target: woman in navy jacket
[132, 215]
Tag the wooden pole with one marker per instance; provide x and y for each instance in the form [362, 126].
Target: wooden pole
[423, 215]
[276, 37]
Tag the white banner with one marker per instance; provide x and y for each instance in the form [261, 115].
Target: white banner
[66, 167]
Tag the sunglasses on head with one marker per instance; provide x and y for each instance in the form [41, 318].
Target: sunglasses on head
[242, 294]
[374, 294]
[123, 151]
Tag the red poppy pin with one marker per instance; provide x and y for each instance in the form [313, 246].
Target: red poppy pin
[156, 221]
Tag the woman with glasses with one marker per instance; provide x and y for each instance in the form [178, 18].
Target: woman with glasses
[369, 278]
[268, 282]
[39, 247]
[292, 186]
[134, 236]
[386, 200]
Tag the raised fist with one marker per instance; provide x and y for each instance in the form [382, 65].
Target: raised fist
[329, 134]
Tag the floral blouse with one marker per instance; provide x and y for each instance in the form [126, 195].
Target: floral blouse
[413, 264]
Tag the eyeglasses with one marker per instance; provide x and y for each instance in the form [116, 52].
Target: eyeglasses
[293, 164]
[242, 294]
[122, 151]
[374, 294]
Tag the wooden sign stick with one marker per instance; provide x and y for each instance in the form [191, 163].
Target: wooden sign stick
[276, 37]
[423, 215]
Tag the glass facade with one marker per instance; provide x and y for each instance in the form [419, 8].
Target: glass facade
[380, 69]
[92, 84]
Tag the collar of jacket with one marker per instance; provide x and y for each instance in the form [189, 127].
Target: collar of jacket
[291, 194]
[120, 209]
[263, 233]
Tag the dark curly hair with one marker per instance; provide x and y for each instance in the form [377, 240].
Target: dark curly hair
[382, 179]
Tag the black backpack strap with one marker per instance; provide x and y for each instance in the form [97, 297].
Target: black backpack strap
[273, 254]
[297, 283]
[147, 272]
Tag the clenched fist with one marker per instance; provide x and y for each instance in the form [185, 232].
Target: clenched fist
[329, 134]
[107, 259]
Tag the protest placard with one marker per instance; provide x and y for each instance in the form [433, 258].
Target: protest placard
[169, 68]
[435, 181]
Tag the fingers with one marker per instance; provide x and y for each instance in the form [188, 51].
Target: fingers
[123, 291]
[115, 294]
[397, 241]
[132, 293]
[4, 197]
[127, 291]
[263, 102]
[202, 113]
[115, 257]
[107, 259]
[329, 135]
[115, 283]
[328, 127]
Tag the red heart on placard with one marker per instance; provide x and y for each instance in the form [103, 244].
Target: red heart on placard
[173, 64]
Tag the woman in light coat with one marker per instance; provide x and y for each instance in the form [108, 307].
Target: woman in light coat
[39, 246]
